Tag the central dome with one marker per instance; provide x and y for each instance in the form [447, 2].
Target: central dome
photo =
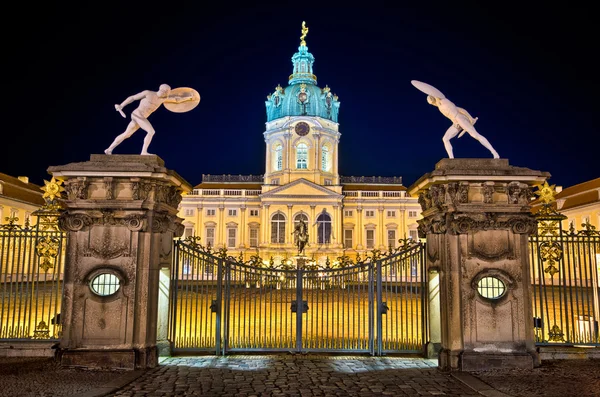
[302, 97]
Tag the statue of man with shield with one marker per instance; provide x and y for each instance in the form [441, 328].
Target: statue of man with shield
[179, 100]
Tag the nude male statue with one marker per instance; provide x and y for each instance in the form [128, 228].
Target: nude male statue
[462, 121]
[149, 102]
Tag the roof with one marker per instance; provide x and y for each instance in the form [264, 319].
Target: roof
[238, 185]
[372, 187]
[15, 189]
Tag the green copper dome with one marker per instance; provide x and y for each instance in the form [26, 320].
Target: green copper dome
[302, 97]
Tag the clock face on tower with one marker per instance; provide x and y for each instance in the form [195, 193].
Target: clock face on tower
[302, 128]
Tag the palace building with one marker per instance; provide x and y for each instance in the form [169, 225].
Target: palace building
[347, 216]
[19, 198]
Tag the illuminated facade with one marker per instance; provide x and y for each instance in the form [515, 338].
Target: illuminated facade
[347, 216]
[18, 199]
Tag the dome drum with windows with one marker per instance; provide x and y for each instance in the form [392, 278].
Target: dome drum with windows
[302, 97]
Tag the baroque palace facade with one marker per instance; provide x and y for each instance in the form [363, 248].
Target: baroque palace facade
[346, 216]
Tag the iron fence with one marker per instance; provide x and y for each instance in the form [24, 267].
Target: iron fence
[220, 304]
[31, 277]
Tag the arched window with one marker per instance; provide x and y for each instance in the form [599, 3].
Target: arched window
[323, 228]
[278, 157]
[325, 158]
[278, 228]
[298, 217]
[302, 156]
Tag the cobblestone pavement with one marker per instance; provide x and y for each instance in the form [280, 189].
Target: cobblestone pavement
[245, 376]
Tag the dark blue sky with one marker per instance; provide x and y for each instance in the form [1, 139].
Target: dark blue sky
[530, 73]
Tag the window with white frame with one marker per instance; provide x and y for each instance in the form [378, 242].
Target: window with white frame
[348, 237]
[324, 158]
[369, 213]
[302, 156]
[14, 213]
[370, 235]
[253, 212]
[391, 214]
[210, 212]
[323, 228]
[253, 236]
[278, 157]
[347, 212]
[391, 237]
[278, 228]
[232, 212]
[413, 234]
[328, 182]
[210, 236]
[412, 214]
[231, 237]
[189, 212]
[275, 181]
[188, 232]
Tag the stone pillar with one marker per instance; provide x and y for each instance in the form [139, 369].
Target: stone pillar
[121, 217]
[477, 220]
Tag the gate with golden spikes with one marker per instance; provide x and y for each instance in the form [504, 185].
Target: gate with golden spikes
[32, 261]
[221, 305]
[565, 268]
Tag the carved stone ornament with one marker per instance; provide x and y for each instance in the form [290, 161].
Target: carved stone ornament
[109, 187]
[444, 194]
[435, 225]
[519, 224]
[488, 194]
[140, 190]
[135, 222]
[74, 222]
[169, 195]
[76, 189]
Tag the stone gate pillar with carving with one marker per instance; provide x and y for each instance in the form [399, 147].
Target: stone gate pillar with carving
[476, 218]
[121, 217]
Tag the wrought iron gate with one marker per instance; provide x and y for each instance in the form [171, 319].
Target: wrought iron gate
[31, 277]
[565, 268]
[221, 305]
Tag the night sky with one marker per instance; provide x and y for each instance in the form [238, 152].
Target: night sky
[530, 73]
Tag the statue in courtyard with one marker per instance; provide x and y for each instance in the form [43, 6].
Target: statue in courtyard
[179, 100]
[301, 235]
[462, 121]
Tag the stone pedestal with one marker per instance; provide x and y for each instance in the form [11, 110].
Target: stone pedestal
[121, 217]
[476, 218]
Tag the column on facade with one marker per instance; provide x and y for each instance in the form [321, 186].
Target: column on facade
[243, 226]
[313, 234]
[288, 236]
[381, 226]
[221, 242]
[265, 223]
[359, 229]
[334, 224]
[317, 165]
[403, 227]
[199, 227]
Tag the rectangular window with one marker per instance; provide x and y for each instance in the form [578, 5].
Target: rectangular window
[253, 237]
[210, 236]
[414, 235]
[347, 212]
[14, 213]
[370, 213]
[188, 232]
[189, 212]
[391, 214]
[585, 220]
[370, 238]
[275, 181]
[328, 182]
[391, 236]
[253, 212]
[302, 156]
[231, 234]
[412, 214]
[210, 212]
[348, 238]
[232, 212]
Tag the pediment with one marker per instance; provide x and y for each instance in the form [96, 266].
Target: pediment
[301, 187]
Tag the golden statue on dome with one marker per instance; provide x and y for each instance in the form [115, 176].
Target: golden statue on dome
[304, 32]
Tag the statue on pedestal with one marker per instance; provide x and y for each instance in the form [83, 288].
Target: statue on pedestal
[462, 121]
[301, 236]
[179, 100]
